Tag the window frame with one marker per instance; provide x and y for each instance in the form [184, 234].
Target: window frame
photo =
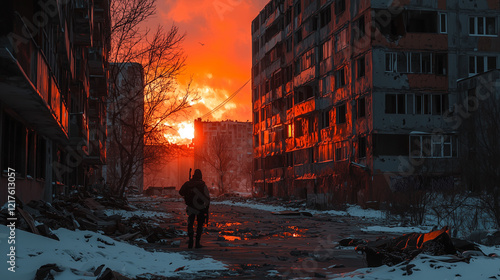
[476, 26]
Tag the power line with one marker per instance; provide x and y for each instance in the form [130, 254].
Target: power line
[225, 101]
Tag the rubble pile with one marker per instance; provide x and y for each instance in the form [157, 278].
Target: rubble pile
[85, 211]
[406, 247]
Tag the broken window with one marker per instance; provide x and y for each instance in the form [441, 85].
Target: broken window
[289, 44]
[390, 145]
[326, 49]
[288, 17]
[422, 22]
[341, 150]
[402, 62]
[298, 36]
[256, 117]
[326, 16]
[359, 28]
[440, 61]
[361, 107]
[443, 23]
[390, 25]
[362, 147]
[298, 9]
[479, 64]
[416, 62]
[482, 26]
[341, 40]
[395, 103]
[360, 65]
[341, 114]
[325, 119]
[308, 60]
[340, 80]
[339, 7]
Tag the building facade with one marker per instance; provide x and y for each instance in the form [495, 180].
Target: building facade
[53, 89]
[353, 99]
[223, 152]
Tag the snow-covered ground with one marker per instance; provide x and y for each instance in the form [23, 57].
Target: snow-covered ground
[79, 253]
[352, 210]
[425, 267]
[139, 213]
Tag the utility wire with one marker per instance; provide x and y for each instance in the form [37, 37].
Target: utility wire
[225, 101]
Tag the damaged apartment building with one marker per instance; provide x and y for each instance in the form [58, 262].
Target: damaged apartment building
[353, 99]
[223, 152]
[53, 89]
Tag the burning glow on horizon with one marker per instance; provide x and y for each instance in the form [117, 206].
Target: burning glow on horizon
[182, 132]
[186, 130]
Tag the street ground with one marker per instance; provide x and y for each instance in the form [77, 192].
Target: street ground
[256, 243]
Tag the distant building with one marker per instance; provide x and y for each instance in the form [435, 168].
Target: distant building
[172, 171]
[125, 121]
[351, 98]
[53, 90]
[224, 149]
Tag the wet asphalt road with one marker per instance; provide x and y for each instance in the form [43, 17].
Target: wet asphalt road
[256, 244]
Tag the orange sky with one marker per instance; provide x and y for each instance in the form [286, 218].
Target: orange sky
[223, 63]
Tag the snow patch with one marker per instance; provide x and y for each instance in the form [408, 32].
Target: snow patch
[84, 251]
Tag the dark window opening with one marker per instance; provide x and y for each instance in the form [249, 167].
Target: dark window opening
[340, 80]
[326, 16]
[339, 6]
[361, 67]
[362, 147]
[390, 145]
[361, 106]
[422, 22]
[390, 103]
[441, 64]
[341, 114]
[359, 28]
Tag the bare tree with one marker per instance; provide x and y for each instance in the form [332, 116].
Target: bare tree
[481, 150]
[139, 113]
[218, 156]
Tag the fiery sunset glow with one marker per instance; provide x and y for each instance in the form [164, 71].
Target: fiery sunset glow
[186, 130]
[218, 48]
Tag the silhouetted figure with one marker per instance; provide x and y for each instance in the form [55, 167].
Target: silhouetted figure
[197, 198]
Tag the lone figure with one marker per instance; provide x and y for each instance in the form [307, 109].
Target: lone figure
[197, 198]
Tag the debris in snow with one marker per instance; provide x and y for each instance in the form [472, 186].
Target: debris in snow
[406, 247]
[292, 213]
[84, 211]
[45, 272]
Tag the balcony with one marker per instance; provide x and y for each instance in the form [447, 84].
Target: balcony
[29, 88]
[83, 21]
[96, 62]
[79, 132]
[97, 153]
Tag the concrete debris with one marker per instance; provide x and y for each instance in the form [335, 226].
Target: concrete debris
[406, 247]
[85, 211]
[47, 271]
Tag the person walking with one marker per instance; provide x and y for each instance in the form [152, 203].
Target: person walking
[197, 199]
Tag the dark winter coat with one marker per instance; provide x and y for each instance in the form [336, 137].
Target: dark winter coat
[196, 195]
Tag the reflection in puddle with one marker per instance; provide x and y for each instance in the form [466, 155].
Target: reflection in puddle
[230, 237]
